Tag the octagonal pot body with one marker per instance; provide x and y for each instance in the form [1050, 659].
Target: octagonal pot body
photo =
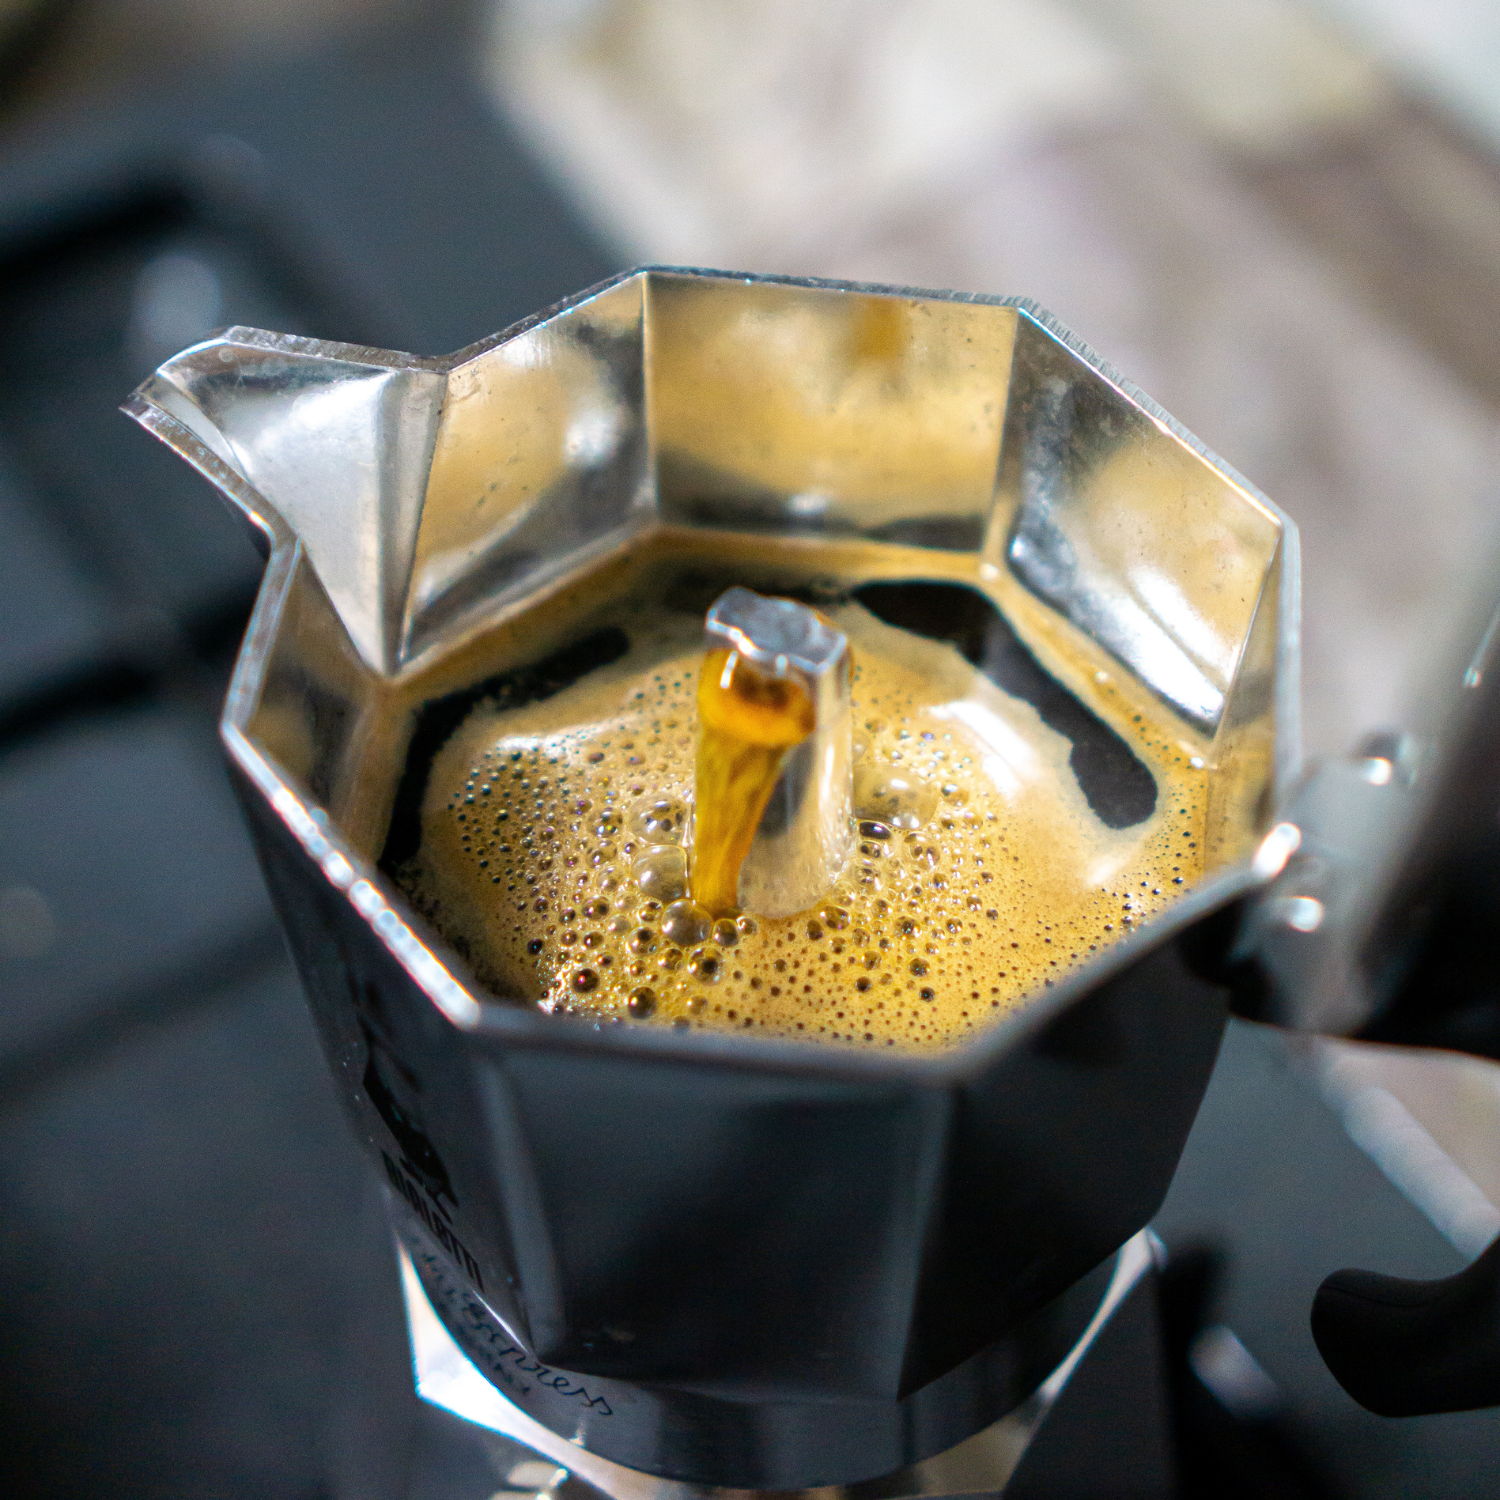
[747, 1262]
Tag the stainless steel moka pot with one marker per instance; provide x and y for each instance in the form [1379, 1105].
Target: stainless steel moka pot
[718, 1260]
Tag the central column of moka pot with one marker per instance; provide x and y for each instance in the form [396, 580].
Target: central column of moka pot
[773, 822]
[693, 1242]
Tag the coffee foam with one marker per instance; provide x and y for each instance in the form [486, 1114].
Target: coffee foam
[980, 877]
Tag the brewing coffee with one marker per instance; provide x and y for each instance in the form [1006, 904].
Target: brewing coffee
[1006, 829]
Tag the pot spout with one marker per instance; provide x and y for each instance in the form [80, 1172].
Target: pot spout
[323, 442]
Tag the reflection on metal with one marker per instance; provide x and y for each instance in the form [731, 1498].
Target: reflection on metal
[1400, 1145]
[1300, 913]
[1135, 540]
[1276, 849]
[1394, 840]
[981, 1464]
[1299, 933]
[1234, 1375]
[431, 497]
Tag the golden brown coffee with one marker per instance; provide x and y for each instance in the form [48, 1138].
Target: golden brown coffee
[556, 843]
[746, 722]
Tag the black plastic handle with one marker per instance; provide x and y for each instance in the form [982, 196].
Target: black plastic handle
[1409, 1348]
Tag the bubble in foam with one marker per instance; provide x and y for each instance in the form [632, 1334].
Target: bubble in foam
[890, 798]
[661, 873]
[686, 923]
[569, 828]
[922, 853]
[706, 966]
[658, 820]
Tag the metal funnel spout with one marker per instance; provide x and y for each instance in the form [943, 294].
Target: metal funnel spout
[325, 442]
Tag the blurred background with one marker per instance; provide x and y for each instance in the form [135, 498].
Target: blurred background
[1279, 217]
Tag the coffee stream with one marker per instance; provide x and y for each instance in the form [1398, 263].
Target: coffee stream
[553, 848]
[747, 721]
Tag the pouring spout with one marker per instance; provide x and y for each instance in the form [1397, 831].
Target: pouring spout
[325, 444]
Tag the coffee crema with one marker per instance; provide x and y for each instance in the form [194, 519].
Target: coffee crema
[990, 858]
